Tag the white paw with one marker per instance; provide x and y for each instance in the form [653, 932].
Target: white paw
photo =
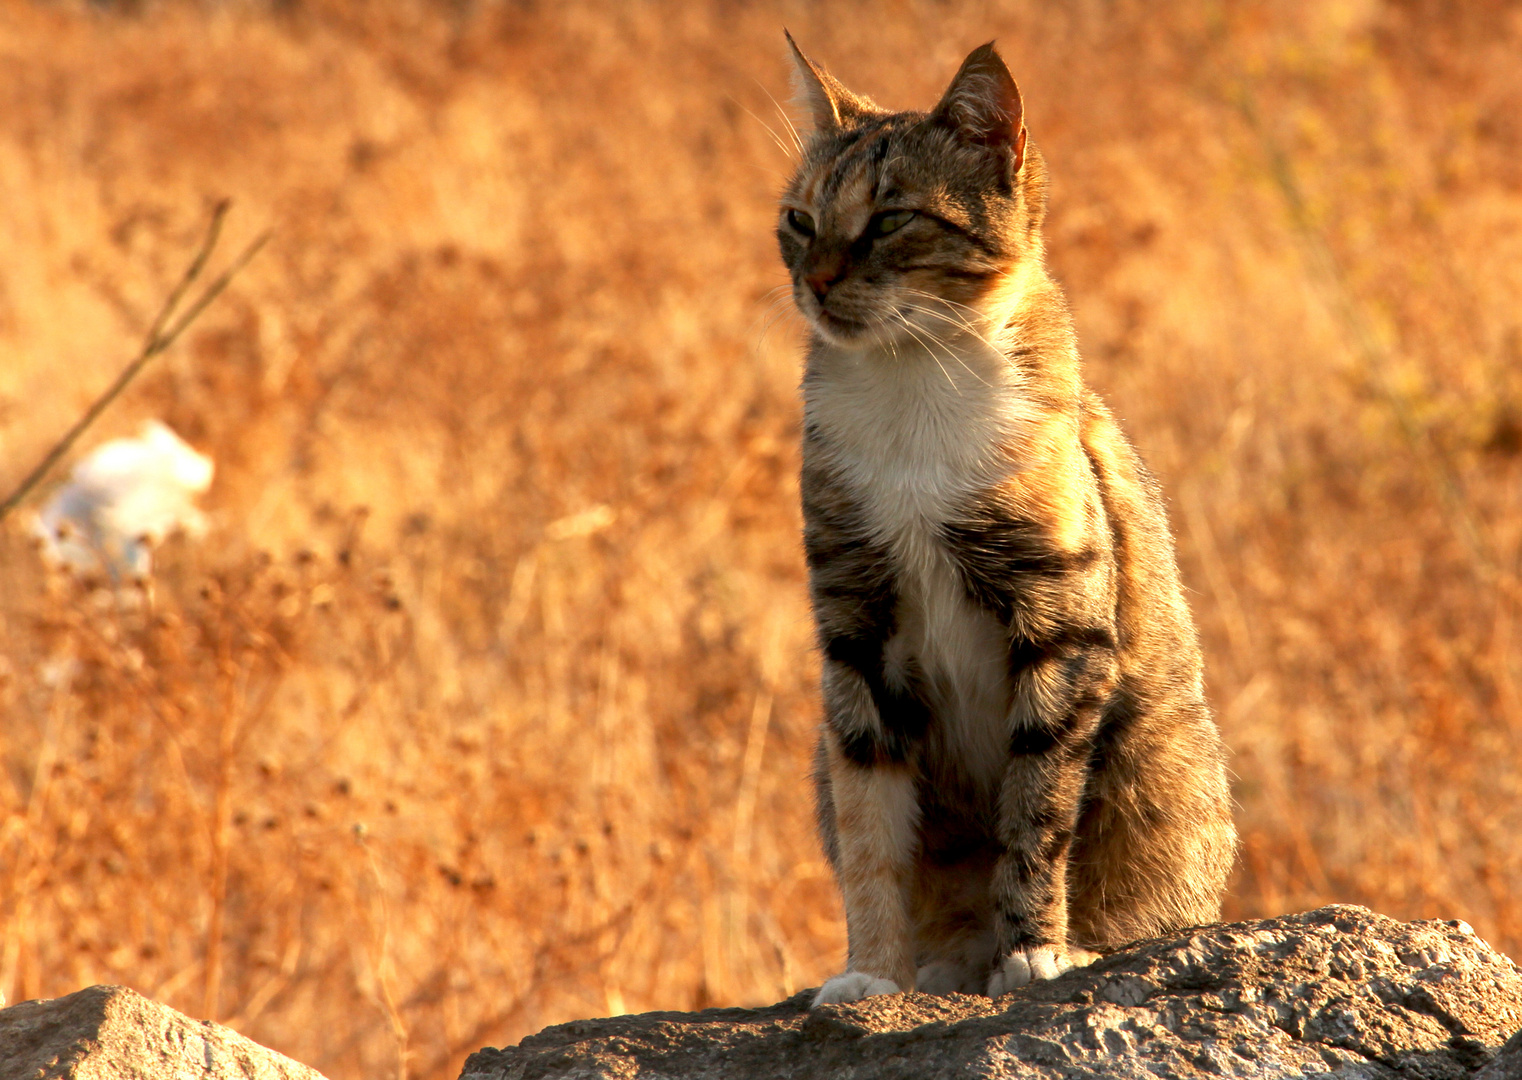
[1024, 966]
[853, 986]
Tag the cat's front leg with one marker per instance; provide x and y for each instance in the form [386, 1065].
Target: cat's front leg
[875, 816]
[870, 809]
[1038, 810]
[1056, 713]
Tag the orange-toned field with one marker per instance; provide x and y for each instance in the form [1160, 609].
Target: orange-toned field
[487, 702]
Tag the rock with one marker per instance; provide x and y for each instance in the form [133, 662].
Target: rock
[1507, 1065]
[112, 1033]
[1339, 991]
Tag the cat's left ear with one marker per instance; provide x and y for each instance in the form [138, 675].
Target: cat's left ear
[983, 104]
[832, 107]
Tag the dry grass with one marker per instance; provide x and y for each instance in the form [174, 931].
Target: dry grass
[488, 702]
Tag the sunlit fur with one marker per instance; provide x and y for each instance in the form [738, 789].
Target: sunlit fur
[1017, 762]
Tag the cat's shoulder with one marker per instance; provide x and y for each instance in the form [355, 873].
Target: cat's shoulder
[1112, 453]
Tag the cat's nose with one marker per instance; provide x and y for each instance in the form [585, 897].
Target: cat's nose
[825, 274]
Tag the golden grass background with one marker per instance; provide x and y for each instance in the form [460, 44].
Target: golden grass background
[488, 702]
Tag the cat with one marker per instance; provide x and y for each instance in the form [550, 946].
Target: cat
[1017, 764]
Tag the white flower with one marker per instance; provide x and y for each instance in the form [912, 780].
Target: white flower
[124, 497]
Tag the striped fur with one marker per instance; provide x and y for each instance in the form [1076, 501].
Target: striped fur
[1017, 762]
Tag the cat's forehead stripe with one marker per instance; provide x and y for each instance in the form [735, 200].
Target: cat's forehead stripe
[853, 187]
[854, 174]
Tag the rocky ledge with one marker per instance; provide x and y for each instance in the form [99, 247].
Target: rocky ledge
[1339, 992]
[1335, 992]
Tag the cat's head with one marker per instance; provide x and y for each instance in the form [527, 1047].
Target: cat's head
[898, 226]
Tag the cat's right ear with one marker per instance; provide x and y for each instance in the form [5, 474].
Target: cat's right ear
[832, 107]
[983, 104]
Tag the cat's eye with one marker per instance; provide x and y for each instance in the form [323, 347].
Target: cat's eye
[889, 222]
[800, 222]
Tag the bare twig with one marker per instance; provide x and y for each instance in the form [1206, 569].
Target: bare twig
[161, 335]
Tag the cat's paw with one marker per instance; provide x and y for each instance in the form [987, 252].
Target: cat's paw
[853, 986]
[1024, 966]
[1082, 957]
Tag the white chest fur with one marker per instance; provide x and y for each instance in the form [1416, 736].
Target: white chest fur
[915, 435]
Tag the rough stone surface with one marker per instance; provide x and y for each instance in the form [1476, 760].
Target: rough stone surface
[1335, 992]
[1507, 1065]
[111, 1032]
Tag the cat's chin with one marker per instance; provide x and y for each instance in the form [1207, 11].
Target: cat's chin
[845, 333]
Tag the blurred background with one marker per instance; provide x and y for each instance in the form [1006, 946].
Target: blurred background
[485, 701]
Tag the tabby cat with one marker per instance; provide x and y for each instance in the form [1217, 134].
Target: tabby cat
[1017, 764]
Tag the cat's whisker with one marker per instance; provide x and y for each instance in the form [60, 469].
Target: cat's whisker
[972, 332]
[782, 113]
[772, 299]
[771, 315]
[951, 305]
[959, 322]
[766, 321]
[928, 347]
[915, 331]
[768, 171]
[918, 333]
[786, 152]
[889, 338]
[956, 353]
[777, 292]
[951, 314]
